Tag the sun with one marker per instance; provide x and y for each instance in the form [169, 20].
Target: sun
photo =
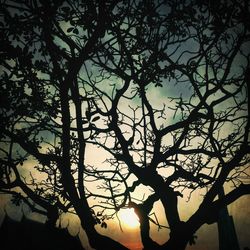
[128, 218]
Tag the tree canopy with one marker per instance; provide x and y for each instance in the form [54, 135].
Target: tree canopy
[155, 91]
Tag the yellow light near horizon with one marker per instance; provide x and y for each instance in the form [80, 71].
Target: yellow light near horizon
[129, 218]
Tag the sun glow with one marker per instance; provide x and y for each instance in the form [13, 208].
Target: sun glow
[129, 218]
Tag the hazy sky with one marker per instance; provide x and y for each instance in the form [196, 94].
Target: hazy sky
[207, 235]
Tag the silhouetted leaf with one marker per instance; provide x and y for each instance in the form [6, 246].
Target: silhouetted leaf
[75, 31]
[87, 113]
[158, 85]
[99, 213]
[104, 225]
[96, 118]
[85, 121]
[16, 199]
[192, 240]
[70, 29]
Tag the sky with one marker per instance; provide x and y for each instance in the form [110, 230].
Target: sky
[129, 236]
[207, 235]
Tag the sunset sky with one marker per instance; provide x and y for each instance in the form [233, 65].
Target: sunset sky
[207, 234]
[171, 103]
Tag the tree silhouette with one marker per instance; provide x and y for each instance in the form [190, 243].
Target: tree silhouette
[158, 88]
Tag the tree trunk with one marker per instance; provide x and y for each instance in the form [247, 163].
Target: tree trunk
[179, 238]
[96, 240]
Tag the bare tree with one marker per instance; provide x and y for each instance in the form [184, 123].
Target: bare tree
[158, 89]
